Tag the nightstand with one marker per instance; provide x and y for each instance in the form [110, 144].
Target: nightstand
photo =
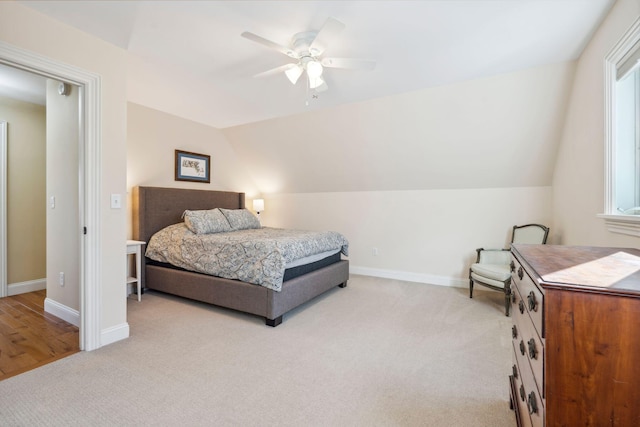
[134, 247]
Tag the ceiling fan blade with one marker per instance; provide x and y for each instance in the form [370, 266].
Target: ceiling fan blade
[276, 70]
[271, 45]
[348, 63]
[331, 28]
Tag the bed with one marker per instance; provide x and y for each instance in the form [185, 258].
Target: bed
[155, 208]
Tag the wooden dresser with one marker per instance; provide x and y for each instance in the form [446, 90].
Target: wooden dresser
[576, 336]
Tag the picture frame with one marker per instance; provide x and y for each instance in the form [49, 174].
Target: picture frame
[192, 167]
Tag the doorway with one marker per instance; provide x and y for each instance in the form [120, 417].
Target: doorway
[39, 146]
[88, 188]
[23, 181]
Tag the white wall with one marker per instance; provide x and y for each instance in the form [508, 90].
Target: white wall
[153, 137]
[63, 219]
[578, 184]
[31, 31]
[425, 177]
[422, 235]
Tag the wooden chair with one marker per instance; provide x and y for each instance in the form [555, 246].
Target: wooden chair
[491, 268]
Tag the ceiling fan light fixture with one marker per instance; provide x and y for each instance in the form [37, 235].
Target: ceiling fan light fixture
[307, 48]
[314, 69]
[293, 74]
[315, 82]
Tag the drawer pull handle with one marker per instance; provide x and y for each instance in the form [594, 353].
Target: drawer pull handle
[532, 403]
[533, 352]
[522, 347]
[520, 273]
[512, 266]
[531, 299]
[523, 395]
[514, 332]
[515, 371]
[521, 307]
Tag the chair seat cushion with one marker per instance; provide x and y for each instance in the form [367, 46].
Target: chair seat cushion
[487, 282]
[498, 272]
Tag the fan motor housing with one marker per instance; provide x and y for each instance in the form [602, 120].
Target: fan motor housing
[302, 41]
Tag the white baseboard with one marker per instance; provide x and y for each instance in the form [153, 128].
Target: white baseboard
[114, 333]
[28, 286]
[107, 336]
[410, 277]
[62, 311]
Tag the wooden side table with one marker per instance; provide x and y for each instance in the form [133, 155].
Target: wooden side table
[134, 247]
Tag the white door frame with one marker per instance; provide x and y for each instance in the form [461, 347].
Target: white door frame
[89, 187]
[3, 210]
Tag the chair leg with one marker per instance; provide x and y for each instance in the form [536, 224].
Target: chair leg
[507, 300]
[470, 288]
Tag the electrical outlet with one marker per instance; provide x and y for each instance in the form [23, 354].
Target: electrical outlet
[61, 279]
[374, 251]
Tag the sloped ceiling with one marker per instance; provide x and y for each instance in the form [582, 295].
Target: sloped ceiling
[501, 131]
[466, 94]
[188, 59]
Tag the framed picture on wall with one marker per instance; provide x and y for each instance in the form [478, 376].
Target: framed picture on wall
[193, 167]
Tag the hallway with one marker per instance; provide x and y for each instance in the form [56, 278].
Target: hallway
[30, 337]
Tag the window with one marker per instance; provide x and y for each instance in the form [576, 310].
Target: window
[622, 143]
[626, 133]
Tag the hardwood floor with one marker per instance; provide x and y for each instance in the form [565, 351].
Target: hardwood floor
[30, 337]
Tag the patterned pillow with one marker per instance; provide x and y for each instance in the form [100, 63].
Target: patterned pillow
[206, 222]
[241, 219]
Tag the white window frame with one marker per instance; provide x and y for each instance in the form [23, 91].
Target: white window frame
[616, 222]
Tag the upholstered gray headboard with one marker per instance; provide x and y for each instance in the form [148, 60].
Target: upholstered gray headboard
[156, 207]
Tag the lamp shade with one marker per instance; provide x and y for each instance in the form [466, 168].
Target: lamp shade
[258, 205]
[294, 73]
[315, 82]
[314, 69]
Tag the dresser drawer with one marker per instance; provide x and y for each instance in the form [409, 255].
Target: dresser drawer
[532, 297]
[530, 404]
[535, 406]
[529, 348]
[519, 397]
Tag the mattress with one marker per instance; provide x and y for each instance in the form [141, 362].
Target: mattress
[259, 256]
[291, 272]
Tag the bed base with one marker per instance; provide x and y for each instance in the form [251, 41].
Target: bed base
[247, 297]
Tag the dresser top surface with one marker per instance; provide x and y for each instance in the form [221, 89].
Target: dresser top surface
[598, 268]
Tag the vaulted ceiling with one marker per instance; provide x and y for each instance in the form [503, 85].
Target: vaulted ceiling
[465, 94]
[188, 58]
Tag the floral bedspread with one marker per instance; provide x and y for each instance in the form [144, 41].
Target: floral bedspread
[255, 255]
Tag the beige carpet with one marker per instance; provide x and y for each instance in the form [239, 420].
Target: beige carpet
[377, 353]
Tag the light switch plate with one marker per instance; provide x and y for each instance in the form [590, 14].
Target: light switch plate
[116, 201]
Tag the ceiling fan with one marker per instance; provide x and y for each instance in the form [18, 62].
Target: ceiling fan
[306, 50]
